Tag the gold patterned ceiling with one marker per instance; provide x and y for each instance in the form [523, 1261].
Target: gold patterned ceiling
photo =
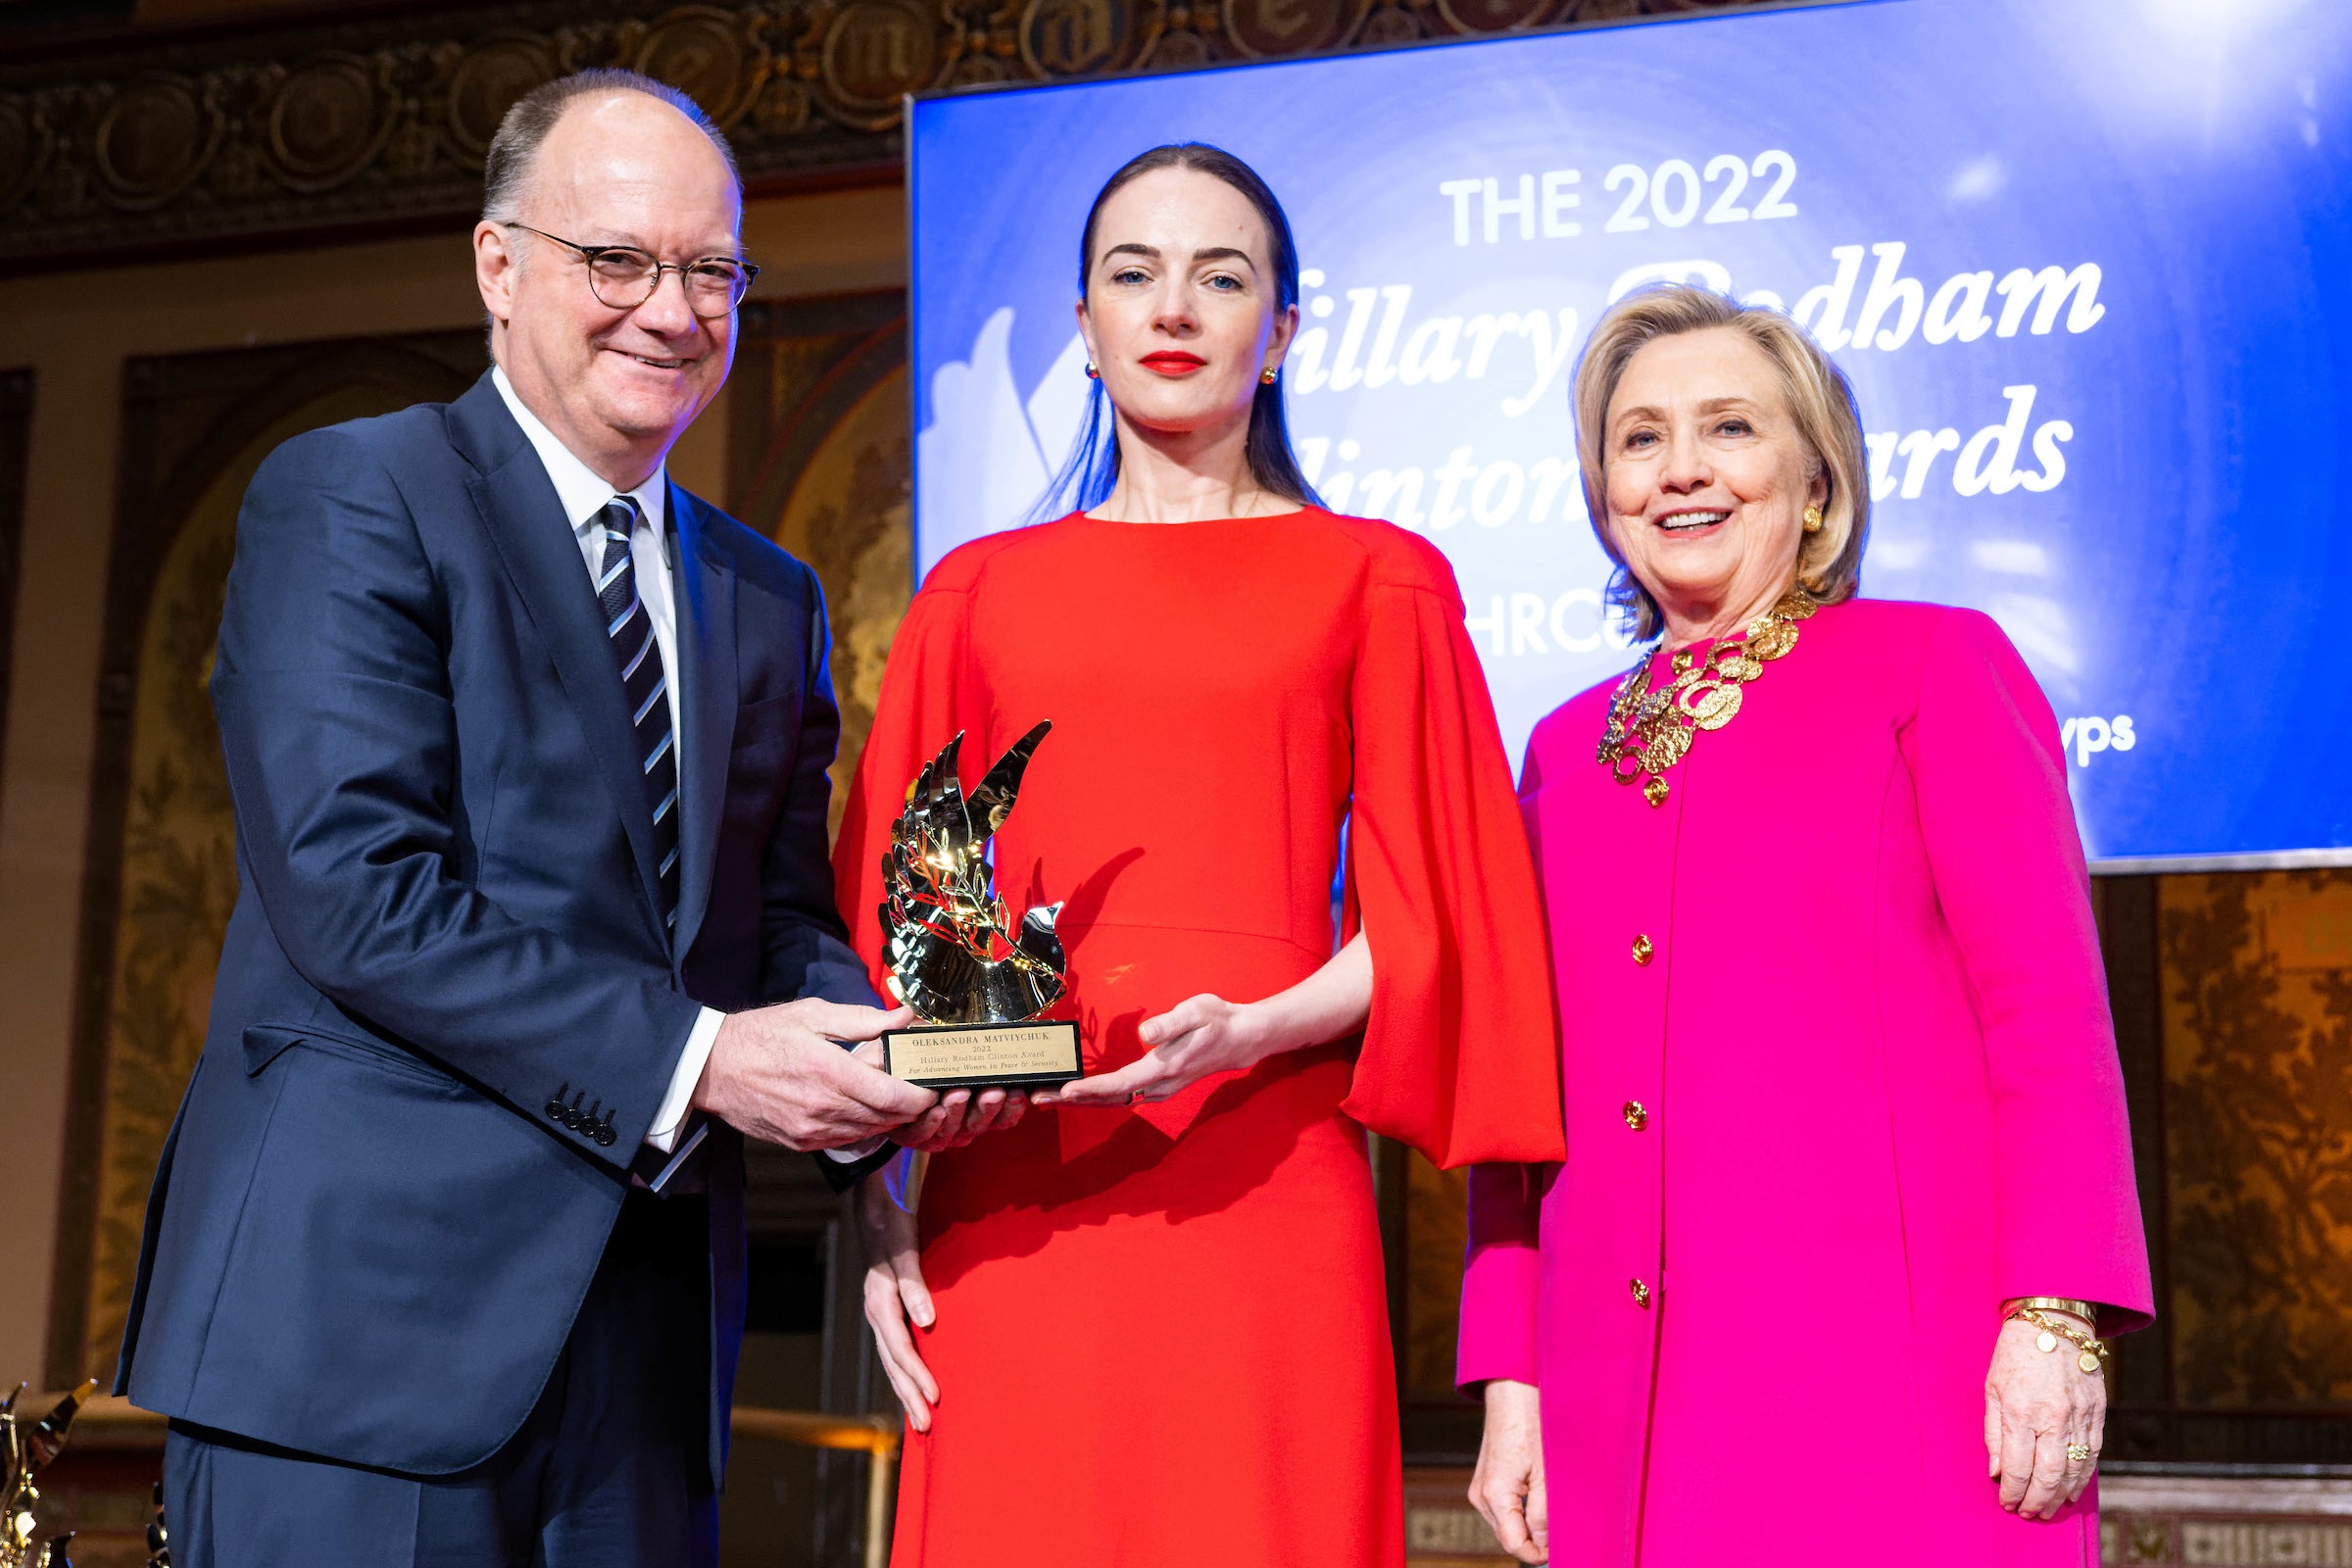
[300, 125]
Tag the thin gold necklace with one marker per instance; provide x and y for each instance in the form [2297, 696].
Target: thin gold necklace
[1649, 731]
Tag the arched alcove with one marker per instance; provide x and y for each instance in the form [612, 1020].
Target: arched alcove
[161, 863]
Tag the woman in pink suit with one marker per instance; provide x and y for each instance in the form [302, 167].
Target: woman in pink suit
[1848, 1190]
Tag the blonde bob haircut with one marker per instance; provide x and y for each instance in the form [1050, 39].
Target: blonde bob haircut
[1820, 399]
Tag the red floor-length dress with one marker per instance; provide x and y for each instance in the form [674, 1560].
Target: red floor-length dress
[1161, 1336]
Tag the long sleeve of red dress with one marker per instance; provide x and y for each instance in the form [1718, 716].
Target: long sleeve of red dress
[1460, 1054]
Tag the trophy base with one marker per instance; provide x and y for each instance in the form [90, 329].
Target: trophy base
[1041, 1054]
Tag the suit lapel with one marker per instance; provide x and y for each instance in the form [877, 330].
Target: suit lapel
[541, 556]
[704, 588]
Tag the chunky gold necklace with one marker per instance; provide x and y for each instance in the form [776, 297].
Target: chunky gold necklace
[1649, 731]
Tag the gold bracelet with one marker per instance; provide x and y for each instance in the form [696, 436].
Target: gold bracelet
[2093, 1351]
[2060, 1303]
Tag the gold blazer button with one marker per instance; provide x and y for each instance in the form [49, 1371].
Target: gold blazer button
[1644, 951]
[1636, 1115]
[1641, 1295]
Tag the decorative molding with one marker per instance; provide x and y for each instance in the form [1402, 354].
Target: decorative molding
[302, 128]
[2224, 1522]
[1441, 1528]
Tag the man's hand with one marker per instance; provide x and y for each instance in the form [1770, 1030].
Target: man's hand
[779, 1075]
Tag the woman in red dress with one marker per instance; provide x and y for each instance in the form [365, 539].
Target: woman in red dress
[1148, 1317]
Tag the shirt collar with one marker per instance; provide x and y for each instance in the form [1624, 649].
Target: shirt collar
[580, 490]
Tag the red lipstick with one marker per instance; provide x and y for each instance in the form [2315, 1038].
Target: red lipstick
[1173, 362]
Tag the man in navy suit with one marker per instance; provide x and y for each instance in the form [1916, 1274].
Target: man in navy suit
[444, 1261]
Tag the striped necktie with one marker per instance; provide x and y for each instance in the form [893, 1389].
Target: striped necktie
[646, 684]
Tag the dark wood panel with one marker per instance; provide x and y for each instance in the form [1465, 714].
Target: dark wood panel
[2232, 998]
[16, 432]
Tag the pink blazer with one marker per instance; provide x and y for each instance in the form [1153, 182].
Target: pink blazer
[1840, 1078]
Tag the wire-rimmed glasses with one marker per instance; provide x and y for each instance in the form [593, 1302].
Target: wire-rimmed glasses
[623, 277]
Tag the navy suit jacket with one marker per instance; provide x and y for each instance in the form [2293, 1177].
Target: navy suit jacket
[367, 1237]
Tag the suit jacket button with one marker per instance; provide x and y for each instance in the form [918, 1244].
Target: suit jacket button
[555, 1104]
[1635, 1115]
[1644, 950]
[1641, 1293]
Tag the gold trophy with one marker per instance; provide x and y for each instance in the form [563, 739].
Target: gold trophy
[976, 981]
[26, 1448]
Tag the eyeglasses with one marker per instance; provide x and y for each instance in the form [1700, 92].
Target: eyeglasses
[623, 277]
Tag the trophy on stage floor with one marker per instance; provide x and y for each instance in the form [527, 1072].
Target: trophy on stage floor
[26, 1447]
[977, 983]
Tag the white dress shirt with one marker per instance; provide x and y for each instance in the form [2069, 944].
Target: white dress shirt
[584, 497]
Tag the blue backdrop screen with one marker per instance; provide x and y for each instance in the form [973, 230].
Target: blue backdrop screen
[2084, 260]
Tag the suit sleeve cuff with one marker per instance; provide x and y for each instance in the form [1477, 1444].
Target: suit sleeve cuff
[1499, 1293]
[669, 1119]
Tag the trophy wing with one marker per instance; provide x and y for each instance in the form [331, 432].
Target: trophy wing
[992, 802]
[935, 803]
[952, 959]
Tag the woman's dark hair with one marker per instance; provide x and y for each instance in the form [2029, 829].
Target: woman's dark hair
[1091, 468]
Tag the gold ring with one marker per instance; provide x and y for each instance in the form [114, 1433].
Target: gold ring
[2078, 1451]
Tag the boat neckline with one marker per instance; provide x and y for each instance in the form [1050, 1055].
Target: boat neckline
[1120, 522]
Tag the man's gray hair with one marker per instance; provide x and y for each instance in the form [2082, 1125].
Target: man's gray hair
[507, 172]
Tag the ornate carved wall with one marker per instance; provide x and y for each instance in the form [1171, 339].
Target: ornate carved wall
[285, 128]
